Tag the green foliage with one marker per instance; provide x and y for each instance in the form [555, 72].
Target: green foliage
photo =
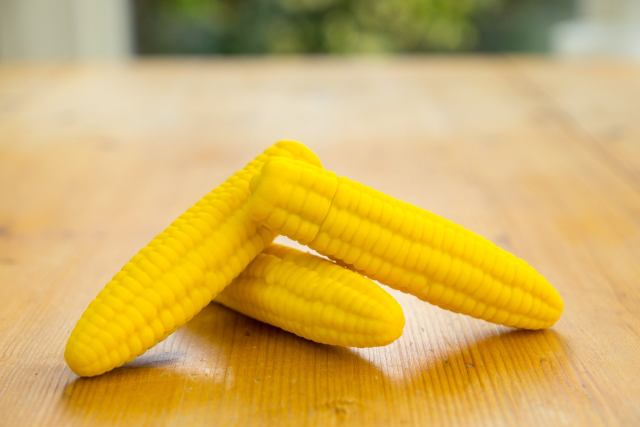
[307, 26]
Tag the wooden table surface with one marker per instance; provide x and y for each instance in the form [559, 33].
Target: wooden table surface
[540, 156]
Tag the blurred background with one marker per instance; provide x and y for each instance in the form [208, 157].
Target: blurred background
[79, 29]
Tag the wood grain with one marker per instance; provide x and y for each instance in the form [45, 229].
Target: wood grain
[541, 156]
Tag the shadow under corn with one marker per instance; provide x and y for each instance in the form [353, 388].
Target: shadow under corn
[505, 378]
[229, 366]
[232, 368]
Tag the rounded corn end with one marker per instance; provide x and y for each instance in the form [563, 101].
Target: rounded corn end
[299, 151]
[553, 306]
[78, 358]
[393, 322]
[557, 304]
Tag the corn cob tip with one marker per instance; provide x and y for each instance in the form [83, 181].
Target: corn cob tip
[78, 359]
[393, 321]
[556, 304]
[299, 151]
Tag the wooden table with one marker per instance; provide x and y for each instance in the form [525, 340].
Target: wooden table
[541, 156]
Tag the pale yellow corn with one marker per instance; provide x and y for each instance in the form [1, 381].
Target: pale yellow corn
[178, 273]
[401, 245]
[314, 298]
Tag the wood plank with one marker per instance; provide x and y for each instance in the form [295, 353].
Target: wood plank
[95, 159]
[607, 112]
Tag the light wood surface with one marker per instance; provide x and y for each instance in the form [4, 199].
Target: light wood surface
[541, 156]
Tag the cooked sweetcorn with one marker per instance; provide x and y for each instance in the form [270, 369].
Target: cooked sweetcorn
[401, 245]
[314, 298]
[179, 272]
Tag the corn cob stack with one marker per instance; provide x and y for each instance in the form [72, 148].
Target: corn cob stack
[285, 191]
[401, 245]
[179, 272]
[315, 299]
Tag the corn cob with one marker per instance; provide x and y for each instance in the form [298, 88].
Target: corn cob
[178, 273]
[401, 245]
[314, 298]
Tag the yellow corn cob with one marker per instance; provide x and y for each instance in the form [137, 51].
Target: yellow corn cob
[315, 299]
[178, 273]
[401, 245]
